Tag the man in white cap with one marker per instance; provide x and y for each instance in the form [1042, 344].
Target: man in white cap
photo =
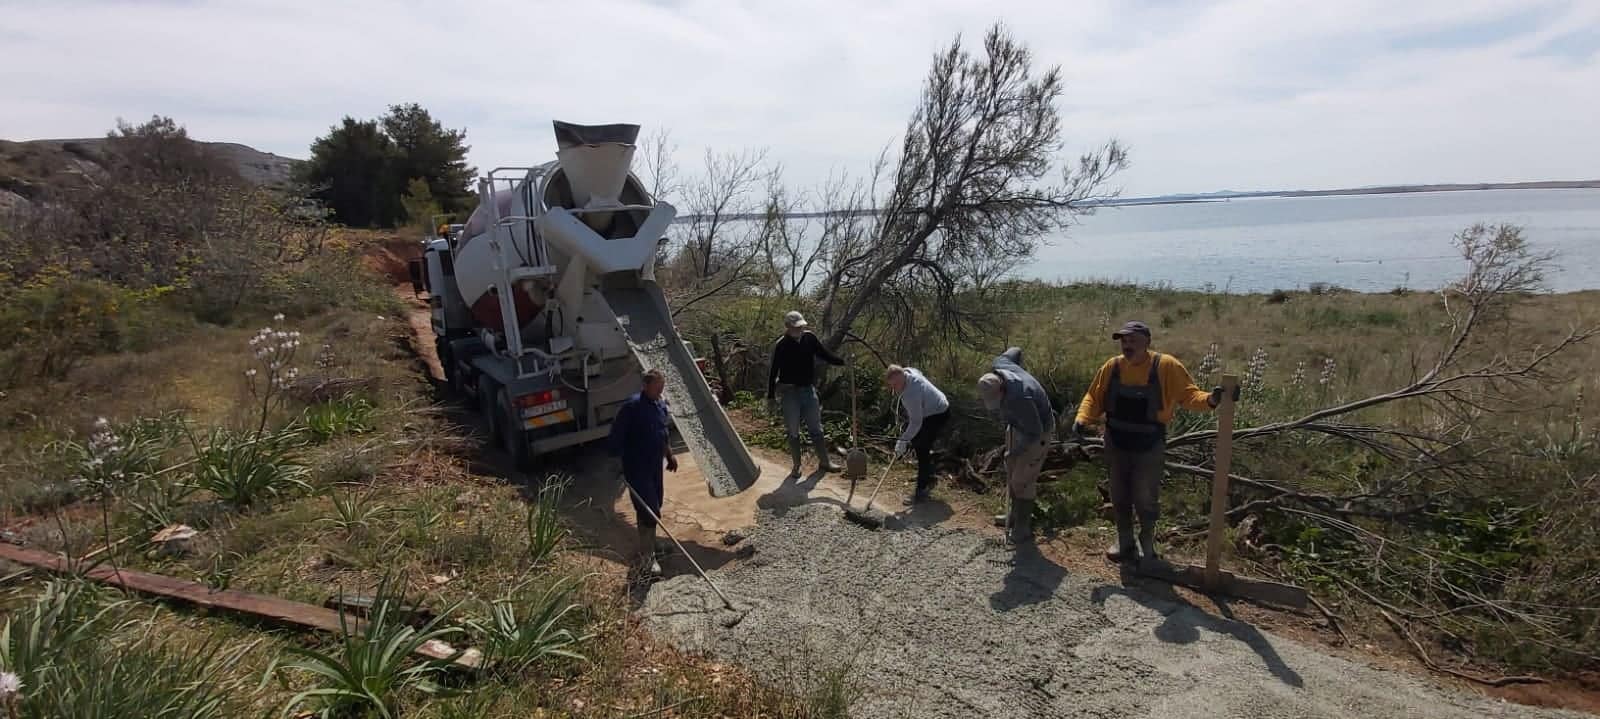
[1008, 390]
[794, 376]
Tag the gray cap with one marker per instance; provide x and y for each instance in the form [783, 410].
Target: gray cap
[1132, 327]
[991, 389]
[794, 319]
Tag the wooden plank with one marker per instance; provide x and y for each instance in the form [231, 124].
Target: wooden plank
[1219, 482]
[1286, 595]
[275, 609]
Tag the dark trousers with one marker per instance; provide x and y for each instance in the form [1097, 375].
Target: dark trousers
[647, 481]
[922, 443]
[1136, 483]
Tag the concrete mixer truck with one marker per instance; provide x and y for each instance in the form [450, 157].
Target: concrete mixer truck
[546, 310]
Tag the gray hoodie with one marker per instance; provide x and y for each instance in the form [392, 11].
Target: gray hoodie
[1025, 407]
[921, 400]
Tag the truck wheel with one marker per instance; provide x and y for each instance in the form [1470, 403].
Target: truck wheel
[511, 434]
[487, 392]
[447, 362]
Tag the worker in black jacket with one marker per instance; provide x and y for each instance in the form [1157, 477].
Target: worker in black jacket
[793, 376]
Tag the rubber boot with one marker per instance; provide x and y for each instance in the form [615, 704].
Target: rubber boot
[647, 552]
[824, 463]
[1147, 541]
[1003, 520]
[1022, 523]
[795, 453]
[1124, 550]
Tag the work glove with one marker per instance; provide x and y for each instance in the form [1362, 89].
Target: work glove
[900, 448]
[1080, 429]
[1216, 395]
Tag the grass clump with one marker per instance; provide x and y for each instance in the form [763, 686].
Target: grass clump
[245, 472]
[522, 630]
[75, 657]
[374, 665]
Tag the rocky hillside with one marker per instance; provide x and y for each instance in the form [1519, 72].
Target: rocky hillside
[30, 169]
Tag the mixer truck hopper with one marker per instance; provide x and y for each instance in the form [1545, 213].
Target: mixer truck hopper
[546, 310]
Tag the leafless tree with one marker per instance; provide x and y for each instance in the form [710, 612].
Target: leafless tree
[660, 171]
[968, 188]
[804, 233]
[718, 249]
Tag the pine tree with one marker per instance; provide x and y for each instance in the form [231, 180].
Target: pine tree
[352, 171]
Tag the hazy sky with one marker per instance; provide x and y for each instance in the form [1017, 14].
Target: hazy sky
[1239, 95]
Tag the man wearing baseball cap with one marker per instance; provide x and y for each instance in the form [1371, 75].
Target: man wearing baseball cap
[1009, 391]
[794, 374]
[1136, 393]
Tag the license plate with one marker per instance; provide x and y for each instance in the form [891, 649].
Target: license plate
[548, 420]
[545, 408]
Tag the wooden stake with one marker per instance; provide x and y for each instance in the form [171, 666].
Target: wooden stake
[1219, 482]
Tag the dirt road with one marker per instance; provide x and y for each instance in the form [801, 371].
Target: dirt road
[943, 622]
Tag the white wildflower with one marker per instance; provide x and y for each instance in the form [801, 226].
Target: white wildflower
[295, 334]
[101, 423]
[1256, 372]
[1328, 369]
[277, 317]
[250, 372]
[1299, 375]
[1210, 363]
[10, 685]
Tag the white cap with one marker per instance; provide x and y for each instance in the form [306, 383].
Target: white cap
[991, 387]
[794, 319]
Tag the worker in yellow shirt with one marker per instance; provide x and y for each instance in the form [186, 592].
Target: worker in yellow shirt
[1136, 393]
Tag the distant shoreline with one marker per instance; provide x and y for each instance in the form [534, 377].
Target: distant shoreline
[1224, 195]
[1184, 198]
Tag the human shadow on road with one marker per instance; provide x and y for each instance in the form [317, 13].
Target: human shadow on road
[1033, 579]
[919, 515]
[792, 492]
[1182, 621]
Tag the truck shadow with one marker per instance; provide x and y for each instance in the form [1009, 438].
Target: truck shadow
[589, 502]
[1182, 620]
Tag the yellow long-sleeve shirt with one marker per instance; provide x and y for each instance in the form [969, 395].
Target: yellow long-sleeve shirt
[1177, 388]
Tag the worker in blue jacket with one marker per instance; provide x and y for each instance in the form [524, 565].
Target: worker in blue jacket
[639, 439]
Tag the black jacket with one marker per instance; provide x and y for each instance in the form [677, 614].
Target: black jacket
[794, 361]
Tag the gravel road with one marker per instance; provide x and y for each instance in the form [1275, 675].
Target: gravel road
[939, 622]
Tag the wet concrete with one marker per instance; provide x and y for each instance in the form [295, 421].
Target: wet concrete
[947, 622]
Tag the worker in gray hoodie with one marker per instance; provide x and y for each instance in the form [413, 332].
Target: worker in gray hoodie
[927, 410]
[1008, 390]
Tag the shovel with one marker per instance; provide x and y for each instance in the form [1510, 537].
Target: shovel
[865, 516]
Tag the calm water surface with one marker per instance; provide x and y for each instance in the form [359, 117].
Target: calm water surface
[1364, 242]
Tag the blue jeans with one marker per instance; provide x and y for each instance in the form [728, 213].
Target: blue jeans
[800, 403]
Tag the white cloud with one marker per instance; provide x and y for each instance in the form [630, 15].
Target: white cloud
[1236, 94]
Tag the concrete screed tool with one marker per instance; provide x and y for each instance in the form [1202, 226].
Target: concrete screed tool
[865, 516]
[726, 603]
